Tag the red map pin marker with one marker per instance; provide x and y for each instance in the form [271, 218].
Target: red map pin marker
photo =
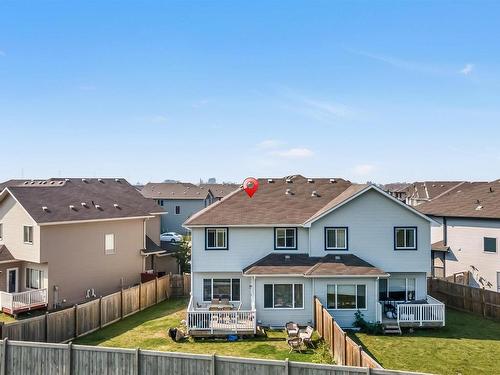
[250, 185]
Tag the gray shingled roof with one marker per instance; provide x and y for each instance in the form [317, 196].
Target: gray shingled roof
[174, 190]
[220, 190]
[99, 195]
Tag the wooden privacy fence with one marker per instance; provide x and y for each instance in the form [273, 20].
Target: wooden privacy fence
[466, 298]
[81, 319]
[29, 358]
[344, 350]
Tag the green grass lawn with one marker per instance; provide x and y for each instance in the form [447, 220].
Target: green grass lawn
[148, 330]
[6, 318]
[467, 345]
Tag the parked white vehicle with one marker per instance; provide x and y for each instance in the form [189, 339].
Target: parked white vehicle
[171, 237]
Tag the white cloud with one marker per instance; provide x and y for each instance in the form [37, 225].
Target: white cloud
[467, 69]
[294, 153]
[363, 169]
[269, 144]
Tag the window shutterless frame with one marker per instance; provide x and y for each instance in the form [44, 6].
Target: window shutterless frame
[346, 247]
[28, 234]
[231, 280]
[207, 229]
[396, 247]
[294, 247]
[355, 297]
[293, 297]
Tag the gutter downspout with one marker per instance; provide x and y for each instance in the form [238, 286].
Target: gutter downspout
[445, 232]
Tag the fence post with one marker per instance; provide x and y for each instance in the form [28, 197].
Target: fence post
[100, 311]
[212, 365]
[3, 368]
[140, 294]
[69, 359]
[286, 369]
[121, 303]
[76, 320]
[156, 289]
[360, 357]
[483, 305]
[138, 361]
[344, 346]
[1, 329]
[332, 344]
[46, 326]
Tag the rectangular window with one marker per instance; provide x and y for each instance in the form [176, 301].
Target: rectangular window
[216, 238]
[34, 278]
[284, 296]
[346, 297]
[221, 289]
[405, 238]
[177, 210]
[1, 231]
[160, 202]
[285, 238]
[109, 244]
[397, 289]
[336, 238]
[28, 234]
[490, 244]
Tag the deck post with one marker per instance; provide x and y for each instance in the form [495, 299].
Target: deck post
[420, 313]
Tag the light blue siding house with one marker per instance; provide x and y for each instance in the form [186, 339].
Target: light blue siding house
[180, 200]
[353, 246]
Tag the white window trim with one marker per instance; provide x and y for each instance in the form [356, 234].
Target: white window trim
[7, 278]
[484, 251]
[414, 247]
[225, 247]
[276, 247]
[336, 230]
[293, 297]
[106, 250]
[355, 297]
[42, 278]
[32, 234]
[406, 287]
[212, 288]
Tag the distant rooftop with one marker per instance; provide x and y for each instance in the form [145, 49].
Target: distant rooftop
[78, 199]
[220, 190]
[174, 190]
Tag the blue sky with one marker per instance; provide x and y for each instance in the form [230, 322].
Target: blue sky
[380, 91]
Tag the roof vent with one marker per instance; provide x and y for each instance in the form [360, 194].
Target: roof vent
[61, 182]
[479, 208]
[288, 192]
[98, 206]
[270, 181]
[32, 182]
[314, 194]
[289, 180]
[26, 182]
[310, 181]
[71, 207]
[44, 183]
[84, 180]
[66, 179]
[333, 181]
[116, 205]
[52, 182]
[100, 180]
[45, 208]
[118, 180]
[434, 185]
[478, 201]
[491, 190]
[84, 204]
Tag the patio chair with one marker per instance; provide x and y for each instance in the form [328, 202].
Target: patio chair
[292, 329]
[306, 336]
[295, 344]
[224, 301]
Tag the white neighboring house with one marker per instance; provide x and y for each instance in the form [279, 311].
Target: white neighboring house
[466, 232]
[353, 246]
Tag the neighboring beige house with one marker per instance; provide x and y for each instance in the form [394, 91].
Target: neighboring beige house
[467, 239]
[63, 241]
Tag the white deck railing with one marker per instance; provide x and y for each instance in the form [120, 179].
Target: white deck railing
[23, 300]
[431, 312]
[222, 321]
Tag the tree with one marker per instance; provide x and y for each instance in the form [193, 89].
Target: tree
[183, 256]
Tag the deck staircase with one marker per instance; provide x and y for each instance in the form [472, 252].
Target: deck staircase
[392, 329]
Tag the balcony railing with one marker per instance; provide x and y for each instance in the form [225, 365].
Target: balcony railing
[200, 320]
[415, 314]
[13, 303]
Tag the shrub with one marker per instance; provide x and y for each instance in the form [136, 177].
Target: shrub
[367, 327]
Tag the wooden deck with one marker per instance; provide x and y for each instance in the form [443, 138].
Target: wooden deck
[202, 323]
[16, 303]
